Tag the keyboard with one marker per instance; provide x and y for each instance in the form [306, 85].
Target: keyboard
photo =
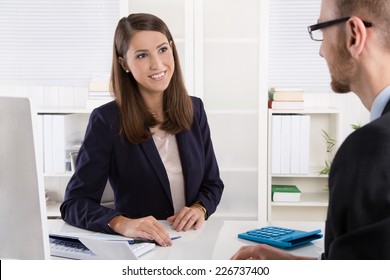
[280, 237]
[73, 248]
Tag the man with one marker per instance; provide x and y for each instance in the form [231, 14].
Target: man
[356, 46]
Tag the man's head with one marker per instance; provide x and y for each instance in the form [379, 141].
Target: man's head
[361, 31]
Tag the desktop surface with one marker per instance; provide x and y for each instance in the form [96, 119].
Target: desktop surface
[216, 240]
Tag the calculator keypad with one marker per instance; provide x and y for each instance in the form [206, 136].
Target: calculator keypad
[270, 232]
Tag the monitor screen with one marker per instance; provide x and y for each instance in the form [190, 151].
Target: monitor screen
[23, 230]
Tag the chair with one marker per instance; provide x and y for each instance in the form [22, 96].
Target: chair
[108, 194]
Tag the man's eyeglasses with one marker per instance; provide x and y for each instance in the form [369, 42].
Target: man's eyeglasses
[315, 30]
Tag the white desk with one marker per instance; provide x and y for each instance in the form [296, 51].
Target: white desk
[217, 239]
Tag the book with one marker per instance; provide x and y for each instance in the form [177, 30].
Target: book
[289, 89]
[285, 95]
[285, 193]
[285, 105]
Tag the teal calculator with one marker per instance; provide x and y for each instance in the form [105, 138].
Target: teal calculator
[281, 237]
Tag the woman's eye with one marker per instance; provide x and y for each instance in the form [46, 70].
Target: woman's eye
[142, 55]
[163, 49]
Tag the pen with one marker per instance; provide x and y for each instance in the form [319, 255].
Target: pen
[141, 240]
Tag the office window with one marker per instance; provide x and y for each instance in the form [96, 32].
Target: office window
[293, 57]
[56, 42]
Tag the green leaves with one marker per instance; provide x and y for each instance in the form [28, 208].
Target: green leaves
[330, 144]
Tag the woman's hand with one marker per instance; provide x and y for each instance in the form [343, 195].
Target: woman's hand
[147, 227]
[187, 218]
[264, 252]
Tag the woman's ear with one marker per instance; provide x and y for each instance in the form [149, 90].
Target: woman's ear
[356, 36]
[123, 64]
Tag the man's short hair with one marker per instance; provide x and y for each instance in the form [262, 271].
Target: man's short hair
[375, 11]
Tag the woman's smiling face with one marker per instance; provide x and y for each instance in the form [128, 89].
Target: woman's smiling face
[150, 61]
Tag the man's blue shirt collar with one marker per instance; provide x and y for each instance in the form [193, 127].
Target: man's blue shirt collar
[380, 103]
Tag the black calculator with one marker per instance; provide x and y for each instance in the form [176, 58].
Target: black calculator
[280, 237]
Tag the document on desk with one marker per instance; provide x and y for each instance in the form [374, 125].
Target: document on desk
[109, 249]
[102, 246]
[109, 246]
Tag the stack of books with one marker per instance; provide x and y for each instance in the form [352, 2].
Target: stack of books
[285, 98]
[98, 92]
[285, 193]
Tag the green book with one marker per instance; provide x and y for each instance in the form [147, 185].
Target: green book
[285, 193]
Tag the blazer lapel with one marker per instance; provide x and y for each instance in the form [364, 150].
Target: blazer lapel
[153, 156]
[387, 108]
[182, 144]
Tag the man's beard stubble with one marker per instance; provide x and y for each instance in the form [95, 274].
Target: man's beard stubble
[342, 66]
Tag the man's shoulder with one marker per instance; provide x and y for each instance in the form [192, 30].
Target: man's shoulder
[372, 137]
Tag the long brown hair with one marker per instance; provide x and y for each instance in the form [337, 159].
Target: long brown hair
[134, 115]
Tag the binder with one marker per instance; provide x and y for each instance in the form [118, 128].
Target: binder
[305, 144]
[276, 143]
[285, 145]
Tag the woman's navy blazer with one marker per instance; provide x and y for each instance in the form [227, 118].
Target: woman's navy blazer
[136, 172]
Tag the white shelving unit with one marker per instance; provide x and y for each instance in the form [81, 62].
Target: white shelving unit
[314, 198]
[55, 182]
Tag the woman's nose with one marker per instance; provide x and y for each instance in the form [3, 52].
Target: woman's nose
[155, 63]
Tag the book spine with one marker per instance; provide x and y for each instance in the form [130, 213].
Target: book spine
[285, 105]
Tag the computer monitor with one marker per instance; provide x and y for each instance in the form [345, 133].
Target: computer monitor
[23, 229]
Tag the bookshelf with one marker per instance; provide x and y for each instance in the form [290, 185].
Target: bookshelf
[56, 170]
[313, 185]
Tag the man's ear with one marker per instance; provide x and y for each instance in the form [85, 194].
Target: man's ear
[356, 36]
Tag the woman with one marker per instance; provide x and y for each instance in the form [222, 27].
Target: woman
[152, 143]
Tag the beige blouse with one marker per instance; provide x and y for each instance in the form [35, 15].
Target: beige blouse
[167, 148]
